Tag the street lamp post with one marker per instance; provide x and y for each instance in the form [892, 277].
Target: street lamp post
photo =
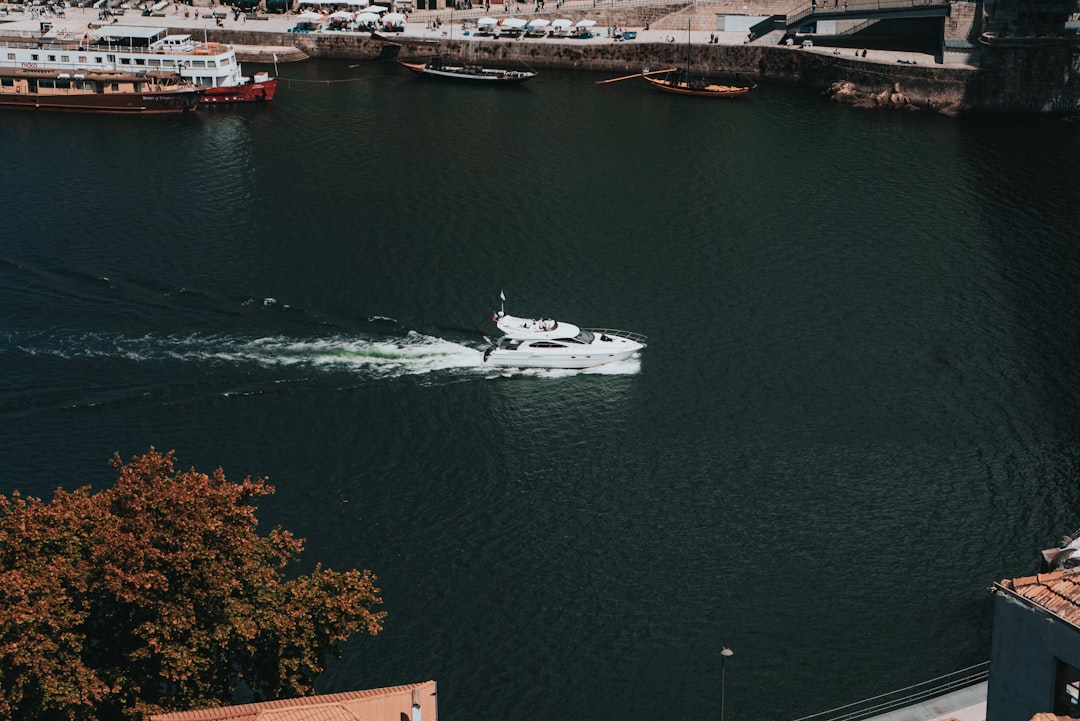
[724, 653]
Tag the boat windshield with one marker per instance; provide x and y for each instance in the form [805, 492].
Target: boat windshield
[584, 336]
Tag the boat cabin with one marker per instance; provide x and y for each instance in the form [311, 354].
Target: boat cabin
[128, 37]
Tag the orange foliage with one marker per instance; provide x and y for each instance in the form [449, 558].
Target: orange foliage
[157, 595]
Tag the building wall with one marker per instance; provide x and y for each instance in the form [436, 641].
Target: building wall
[964, 21]
[1026, 645]
[1037, 76]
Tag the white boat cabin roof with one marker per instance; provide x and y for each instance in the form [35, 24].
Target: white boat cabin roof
[535, 328]
[129, 34]
[23, 29]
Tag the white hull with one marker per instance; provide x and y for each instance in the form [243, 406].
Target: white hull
[525, 359]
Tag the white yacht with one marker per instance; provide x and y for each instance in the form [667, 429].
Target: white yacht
[548, 343]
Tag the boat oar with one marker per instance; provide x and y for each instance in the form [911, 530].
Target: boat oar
[642, 74]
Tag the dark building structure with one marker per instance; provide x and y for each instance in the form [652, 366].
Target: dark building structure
[1035, 656]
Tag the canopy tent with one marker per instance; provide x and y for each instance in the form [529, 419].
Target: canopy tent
[320, 3]
[514, 23]
[561, 23]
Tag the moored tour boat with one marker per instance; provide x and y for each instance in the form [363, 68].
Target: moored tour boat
[436, 68]
[97, 91]
[547, 343]
[137, 49]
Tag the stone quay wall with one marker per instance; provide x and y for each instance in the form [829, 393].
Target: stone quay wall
[1021, 80]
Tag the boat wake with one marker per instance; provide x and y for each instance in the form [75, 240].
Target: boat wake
[412, 354]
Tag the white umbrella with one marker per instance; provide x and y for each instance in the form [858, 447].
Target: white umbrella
[584, 23]
[366, 17]
[308, 15]
[342, 15]
[486, 22]
[513, 23]
[393, 18]
[539, 23]
[560, 23]
[376, 9]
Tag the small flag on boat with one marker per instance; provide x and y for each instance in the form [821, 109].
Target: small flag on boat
[501, 295]
[275, 57]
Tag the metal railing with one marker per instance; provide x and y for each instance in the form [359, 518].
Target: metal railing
[858, 7]
[861, 26]
[907, 696]
[521, 8]
[637, 337]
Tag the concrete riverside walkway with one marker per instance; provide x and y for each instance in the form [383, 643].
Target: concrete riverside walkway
[966, 704]
[420, 26]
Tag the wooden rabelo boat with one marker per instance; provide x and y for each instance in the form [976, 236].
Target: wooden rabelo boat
[97, 91]
[678, 81]
[437, 69]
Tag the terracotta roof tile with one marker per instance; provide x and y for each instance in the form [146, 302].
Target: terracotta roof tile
[380, 704]
[1057, 592]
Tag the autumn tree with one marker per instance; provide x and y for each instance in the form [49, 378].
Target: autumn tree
[158, 594]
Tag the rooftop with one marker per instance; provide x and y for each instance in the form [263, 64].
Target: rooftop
[393, 703]
[1058, 592]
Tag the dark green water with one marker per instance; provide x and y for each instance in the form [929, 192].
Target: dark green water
[858, 406]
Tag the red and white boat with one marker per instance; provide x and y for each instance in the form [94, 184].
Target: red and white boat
[129, 48]
[97, 91]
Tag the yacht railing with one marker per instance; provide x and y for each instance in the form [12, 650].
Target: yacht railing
[904, 697]
[637, 337]
[75, 43]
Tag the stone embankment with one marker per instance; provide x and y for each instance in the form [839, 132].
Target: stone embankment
[872, 83]
[1021, 79]
[269, 53]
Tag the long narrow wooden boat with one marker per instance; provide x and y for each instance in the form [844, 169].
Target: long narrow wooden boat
[435, 68]
[97, 91]
[680, 82]
[676, 82]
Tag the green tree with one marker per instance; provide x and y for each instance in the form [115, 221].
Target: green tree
[158, 594]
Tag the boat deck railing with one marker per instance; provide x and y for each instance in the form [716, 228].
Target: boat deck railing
[636, 337]
[77, 44]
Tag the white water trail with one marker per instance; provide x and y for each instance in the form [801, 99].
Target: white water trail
[386, 357]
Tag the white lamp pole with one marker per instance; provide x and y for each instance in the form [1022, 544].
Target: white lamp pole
[724, 653]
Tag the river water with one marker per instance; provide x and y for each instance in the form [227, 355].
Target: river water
[858, 407]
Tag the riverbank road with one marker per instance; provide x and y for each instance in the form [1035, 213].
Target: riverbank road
[422, 26]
